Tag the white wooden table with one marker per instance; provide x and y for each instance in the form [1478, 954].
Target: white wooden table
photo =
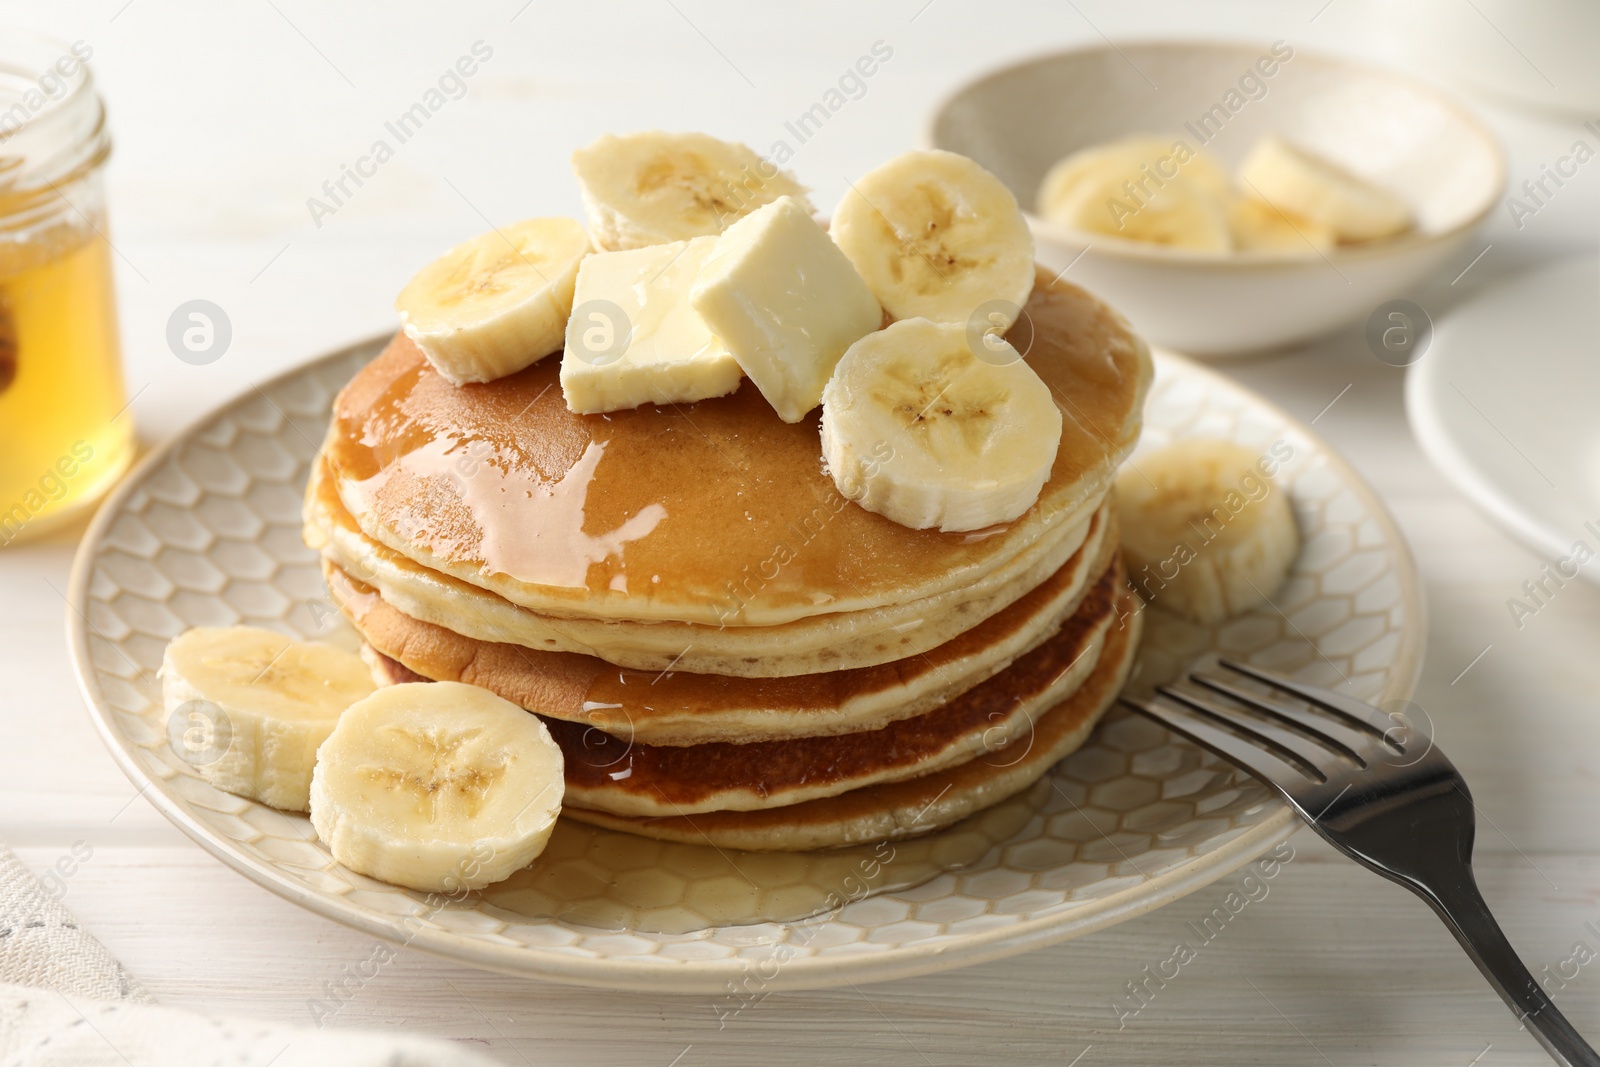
[229, 116]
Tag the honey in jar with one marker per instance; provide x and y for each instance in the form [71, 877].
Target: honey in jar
[65, 433]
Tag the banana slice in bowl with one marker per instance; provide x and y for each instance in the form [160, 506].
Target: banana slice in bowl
[1141, 189]
[495, 304]
[935, 236]
[247, 708]
[1260, 227]
[1179, 214]
[1144, 162]
[925, 424]
[1296, 181]
[437, 786]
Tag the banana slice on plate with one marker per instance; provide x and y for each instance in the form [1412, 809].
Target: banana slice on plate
[1301, 183]
[931, 426]
[248, 707]
[1150, 162]
[1259, 227]
[651, 188]
[1207, 533]
[437, 786]
[935, 236]
[495, 304]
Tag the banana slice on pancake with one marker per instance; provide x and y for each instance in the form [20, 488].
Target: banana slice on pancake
[931, 426]
[495, 304]
[247, 707]
[936, 236]
[437, 786]
[653, 187]
[1207, 533]
[1294, 180]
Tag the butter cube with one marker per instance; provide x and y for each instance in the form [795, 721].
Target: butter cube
[787, 303]
[633, 337]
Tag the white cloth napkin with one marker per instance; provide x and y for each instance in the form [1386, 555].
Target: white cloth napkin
[66, 1002]
[42, 945]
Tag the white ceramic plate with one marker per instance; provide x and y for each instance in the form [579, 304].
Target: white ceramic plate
[1505, 404]
[207, 531]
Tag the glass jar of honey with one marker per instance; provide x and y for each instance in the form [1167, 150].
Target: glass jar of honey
[65, 435]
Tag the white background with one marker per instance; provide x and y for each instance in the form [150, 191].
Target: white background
[228, 116]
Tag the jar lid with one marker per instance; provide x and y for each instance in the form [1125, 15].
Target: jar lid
[52, 123]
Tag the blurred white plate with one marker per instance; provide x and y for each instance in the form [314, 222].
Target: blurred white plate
[1506, 403]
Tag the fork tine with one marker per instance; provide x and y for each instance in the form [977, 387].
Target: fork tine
[1335, 731]
[1364, 715]
[1261, 763]
[1269, 732]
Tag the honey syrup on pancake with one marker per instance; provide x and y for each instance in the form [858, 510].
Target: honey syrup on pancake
[619, 881]
[716, 512]
[684, 778]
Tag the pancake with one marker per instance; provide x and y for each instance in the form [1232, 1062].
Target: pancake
[839, 641]
[615, 775]
[918, 805]
[715, 513]
[682, 708]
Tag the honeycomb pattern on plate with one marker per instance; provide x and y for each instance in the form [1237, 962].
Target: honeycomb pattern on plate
[208, 533]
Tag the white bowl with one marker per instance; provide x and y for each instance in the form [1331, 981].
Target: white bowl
[1021, 119]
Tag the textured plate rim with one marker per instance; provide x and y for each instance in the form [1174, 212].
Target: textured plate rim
[653, 975]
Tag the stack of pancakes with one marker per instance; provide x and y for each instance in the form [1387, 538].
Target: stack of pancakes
[725, 648]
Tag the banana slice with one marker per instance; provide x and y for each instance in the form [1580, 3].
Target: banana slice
[497, 303]
[1296, 181]
[650, 188]
[248, 707]
[1125, 191]
[930, 427]
[1259, 227]
[936, 236]
[1207, 533]
[437, 786]
[1147, 162]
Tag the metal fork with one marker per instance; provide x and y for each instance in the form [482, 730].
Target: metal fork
[1389, 800]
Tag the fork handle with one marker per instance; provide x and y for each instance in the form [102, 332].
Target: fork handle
[1459, 903]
